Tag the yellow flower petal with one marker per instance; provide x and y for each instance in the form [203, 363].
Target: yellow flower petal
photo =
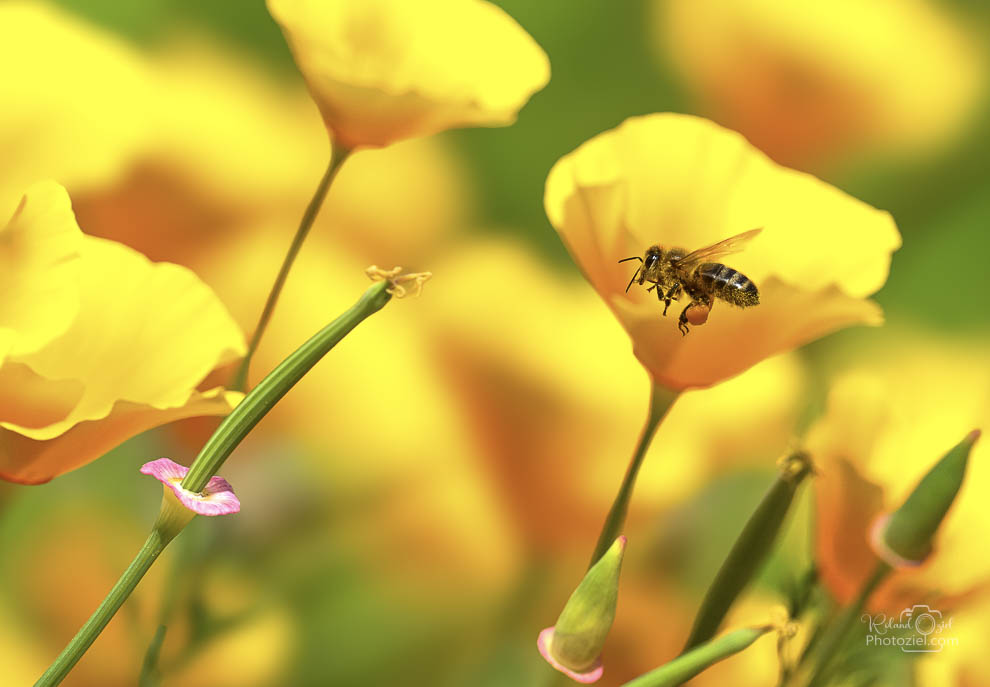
[30, 461]
[382, 70]
[146, 333]
[812, 83]
[74, 102]
[682, 181]
[139, 339]
[39, 270]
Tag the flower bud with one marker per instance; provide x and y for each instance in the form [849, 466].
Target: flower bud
[904, 537]
[574, 645]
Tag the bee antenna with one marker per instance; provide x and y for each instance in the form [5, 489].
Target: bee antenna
[635, 257]
[635, 274]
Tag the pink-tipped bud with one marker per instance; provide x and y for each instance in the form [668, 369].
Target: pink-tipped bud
[574, 645]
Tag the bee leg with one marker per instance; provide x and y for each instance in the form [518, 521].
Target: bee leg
[668, 297]
[682, 321]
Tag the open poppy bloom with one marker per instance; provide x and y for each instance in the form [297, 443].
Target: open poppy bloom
[384, 70]
[97, 344]
[683, 182]
[812, 84]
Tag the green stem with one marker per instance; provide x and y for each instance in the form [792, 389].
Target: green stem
[88, 633]
[337, 157]
[835, 635]
[267, 393]
[699, 659]
[661, 400]
[149, 676]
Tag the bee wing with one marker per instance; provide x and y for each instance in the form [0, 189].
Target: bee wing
[733, 244]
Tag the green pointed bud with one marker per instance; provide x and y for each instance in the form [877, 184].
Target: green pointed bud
[751, 549]
[904, 538]
[574, 645]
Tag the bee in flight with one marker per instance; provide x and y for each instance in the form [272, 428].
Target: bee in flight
[673, 271]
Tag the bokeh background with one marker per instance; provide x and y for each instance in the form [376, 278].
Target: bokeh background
[424, 502]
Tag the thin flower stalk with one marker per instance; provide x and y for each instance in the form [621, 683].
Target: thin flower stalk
[661, 401]
[337, 157]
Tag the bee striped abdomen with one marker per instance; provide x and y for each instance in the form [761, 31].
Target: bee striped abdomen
[728, 284]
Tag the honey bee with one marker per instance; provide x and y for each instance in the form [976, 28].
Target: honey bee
[673, 271]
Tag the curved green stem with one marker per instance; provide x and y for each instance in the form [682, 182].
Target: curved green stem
[836, 634]
[661, 400]
[699, 658]
[88, 633]
[337, 157]
[267, 393]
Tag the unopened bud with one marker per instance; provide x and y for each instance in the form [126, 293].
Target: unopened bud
[574, 645]
[904, 538]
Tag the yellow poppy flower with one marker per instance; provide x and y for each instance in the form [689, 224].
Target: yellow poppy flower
[74, 101]
[812, 84]
[383, 70]
[121, 347]
[887, 423]
[681, 181]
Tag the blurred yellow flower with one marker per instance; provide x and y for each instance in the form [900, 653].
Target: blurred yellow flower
[888, 420]
[74, 101]
[119, 346]
[383, 70]
[812, 84]
[682, 181]
[232, 152]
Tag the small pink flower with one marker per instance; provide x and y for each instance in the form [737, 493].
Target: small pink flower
[216, 499]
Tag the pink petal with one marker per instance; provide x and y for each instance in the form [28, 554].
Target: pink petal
[216, 499]
[592, 675]
[164, 469]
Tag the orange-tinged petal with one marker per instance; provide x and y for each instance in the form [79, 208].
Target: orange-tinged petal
[682, 181]
[383, 70]
[846, 504]
[28, 400]
[814, 84]
[39, 270]
[30, 461]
